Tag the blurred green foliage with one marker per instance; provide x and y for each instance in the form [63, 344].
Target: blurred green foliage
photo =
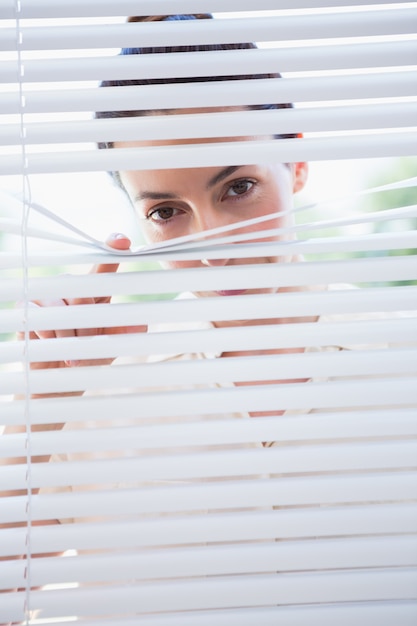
[395, 170]
[399, 169]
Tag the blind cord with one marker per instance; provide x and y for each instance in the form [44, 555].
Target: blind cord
[26, 208]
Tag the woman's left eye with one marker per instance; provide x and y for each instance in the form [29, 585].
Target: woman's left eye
[239, 187]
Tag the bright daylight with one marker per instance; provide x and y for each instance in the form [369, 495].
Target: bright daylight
[208, 324]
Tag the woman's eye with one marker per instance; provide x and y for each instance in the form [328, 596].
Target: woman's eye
[163, 214]
[239, 187]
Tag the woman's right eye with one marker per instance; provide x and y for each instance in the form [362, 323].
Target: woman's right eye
[162, 214]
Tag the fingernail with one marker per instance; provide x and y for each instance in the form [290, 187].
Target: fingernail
[72, 363]
[118, 236]
[21, 305]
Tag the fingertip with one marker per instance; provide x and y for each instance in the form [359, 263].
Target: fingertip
[21, 305]
[138, 329]
[117, 236]
[118, 241]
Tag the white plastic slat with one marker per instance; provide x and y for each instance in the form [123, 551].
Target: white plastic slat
[284, 492]
[229, 592]
[230, 62]
[275, 460]
[193, 252]
[299, 523]
[314, 555]
[195, 247]
[368, 393]
[238, 123]
[236, 30]
[106, 8]
[361, 146]
[398, 391]
[355, 333]
[379, 487]
[295, 304]
[251, 369]
[344, 614]
[250, 276]
[225, 93]
[314, 427]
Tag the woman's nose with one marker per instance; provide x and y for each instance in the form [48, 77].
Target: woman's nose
[206, 219]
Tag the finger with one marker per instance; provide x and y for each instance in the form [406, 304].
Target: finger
[117, 330]
[21, 336]
[124, 330]
[45, 334]
[118, 242]
[60, 333]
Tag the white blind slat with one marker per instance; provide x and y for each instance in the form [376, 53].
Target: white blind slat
[226, 308]
[250, 276]
[299, 523]
[200, 245]
[282, 28]
[364, 332]
[218, 124]
[316, 555]
[230, 62]
[332, 425]
[382, 84]
[366, 393]
[362, 614]
[379, 487]
[213, 154]
[275, 460]
[357, 457]
[365, 242]
[243, 369]
[341, 586]
[95, 8]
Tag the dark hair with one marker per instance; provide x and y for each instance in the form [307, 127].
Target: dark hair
[196, 79]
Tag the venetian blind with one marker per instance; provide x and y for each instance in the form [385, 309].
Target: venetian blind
[157, 497]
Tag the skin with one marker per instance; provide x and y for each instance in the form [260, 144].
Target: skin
[173, 203]
[199, 199]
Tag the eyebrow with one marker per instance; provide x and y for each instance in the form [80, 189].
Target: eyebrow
[159, 195]
[155, 195]
[217, 178]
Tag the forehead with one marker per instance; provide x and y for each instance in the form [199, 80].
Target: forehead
[173, 183]
[158, 177]
[167, 132]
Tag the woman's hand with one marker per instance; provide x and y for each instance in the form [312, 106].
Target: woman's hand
[118, 242]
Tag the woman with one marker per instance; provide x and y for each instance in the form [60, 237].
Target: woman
[177, 202]
[173, 203]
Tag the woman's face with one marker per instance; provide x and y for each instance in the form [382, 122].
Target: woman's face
[173, 203]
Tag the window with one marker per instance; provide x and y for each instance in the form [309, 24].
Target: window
[244, 451]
